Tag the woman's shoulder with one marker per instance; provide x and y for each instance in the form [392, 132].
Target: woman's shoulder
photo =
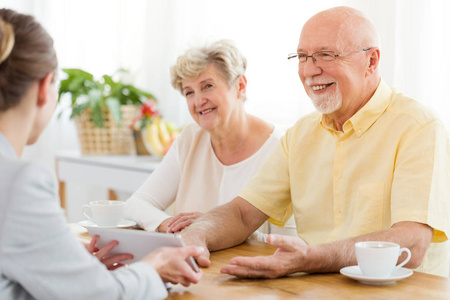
[190, 133]
[190, 137]
[23, 171]
[12, 167]
[191, 129]
[20, 179]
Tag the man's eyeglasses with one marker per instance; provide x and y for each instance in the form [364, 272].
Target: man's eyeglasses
[322, 57]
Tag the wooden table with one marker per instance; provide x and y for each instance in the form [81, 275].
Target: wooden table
[217, 286]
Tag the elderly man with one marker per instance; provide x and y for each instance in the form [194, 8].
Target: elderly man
[372, 164]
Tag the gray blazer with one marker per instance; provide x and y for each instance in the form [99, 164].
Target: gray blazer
[39, 256]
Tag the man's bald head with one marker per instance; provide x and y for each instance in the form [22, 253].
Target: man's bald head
[350, 27]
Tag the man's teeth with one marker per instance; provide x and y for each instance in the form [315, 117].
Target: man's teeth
[206, 111]
[319, 87]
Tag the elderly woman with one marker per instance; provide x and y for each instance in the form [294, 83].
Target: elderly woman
[39, 257]
[214, 158]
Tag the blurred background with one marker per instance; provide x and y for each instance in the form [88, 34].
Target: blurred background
[146, 36]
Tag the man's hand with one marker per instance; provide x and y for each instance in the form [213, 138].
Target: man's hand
[171, 265]
[291, 251]
[111, 262]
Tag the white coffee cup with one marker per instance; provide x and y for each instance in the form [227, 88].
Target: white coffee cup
[104, 212]
[379, 259]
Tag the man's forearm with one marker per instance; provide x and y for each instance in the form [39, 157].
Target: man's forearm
[225, 226]
[334, 256]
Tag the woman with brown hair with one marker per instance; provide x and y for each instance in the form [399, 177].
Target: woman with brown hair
[39, 257]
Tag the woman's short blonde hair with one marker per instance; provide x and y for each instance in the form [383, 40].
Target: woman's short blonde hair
[228, 60]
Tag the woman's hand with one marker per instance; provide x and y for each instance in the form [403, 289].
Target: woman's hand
[163, 227]
[171, 265]
[112, 262]
[181, 221]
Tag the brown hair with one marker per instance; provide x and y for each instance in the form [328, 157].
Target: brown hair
[26, 55]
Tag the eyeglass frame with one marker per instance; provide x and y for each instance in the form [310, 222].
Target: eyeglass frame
[293, 55]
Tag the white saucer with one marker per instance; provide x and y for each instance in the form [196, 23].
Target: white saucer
[355, 273]
[122, 224]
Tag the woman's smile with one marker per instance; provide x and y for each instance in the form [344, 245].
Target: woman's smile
[206, 111]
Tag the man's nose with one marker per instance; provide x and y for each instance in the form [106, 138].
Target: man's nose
[309, 68]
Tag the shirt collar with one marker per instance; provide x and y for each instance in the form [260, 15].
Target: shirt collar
[6, 150]
[367, 115]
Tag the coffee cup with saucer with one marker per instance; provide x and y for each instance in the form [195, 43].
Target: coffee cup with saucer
[377, 263]
[105, 213]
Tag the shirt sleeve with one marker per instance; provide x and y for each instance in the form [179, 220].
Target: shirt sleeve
[146, 206]
[421, 184]
[269, 190]
[39, 252]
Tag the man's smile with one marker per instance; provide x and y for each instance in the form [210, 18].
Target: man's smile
[321, 87]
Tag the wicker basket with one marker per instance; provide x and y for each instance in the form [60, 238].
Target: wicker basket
[110, 139]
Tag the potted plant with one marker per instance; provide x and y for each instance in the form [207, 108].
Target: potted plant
[100, 107]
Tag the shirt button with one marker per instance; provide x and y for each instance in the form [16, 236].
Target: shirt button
[339, 176]
[342, 143]
[359, 131]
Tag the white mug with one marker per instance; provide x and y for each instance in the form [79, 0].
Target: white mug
[104, 212]
[379, 259]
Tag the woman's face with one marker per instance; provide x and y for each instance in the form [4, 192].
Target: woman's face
[210, 101]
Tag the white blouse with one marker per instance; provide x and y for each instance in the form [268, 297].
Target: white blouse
[192, 178]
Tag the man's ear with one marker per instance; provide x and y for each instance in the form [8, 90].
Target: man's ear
[44, 87]
[374, 60]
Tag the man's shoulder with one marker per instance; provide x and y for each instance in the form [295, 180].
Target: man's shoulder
[303, 127]
[311, 119]
[408, 107]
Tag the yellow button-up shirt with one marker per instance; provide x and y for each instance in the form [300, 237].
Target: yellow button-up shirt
[390, 163]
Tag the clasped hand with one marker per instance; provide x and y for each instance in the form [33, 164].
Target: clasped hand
[179, 222]
[291, 252]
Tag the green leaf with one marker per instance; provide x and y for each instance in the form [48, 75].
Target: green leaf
[108, 80]
[76, 110]
[113, 105]
[94, 98]
[139, 92]
[78, 73]
[76, 84]
[97, 116]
